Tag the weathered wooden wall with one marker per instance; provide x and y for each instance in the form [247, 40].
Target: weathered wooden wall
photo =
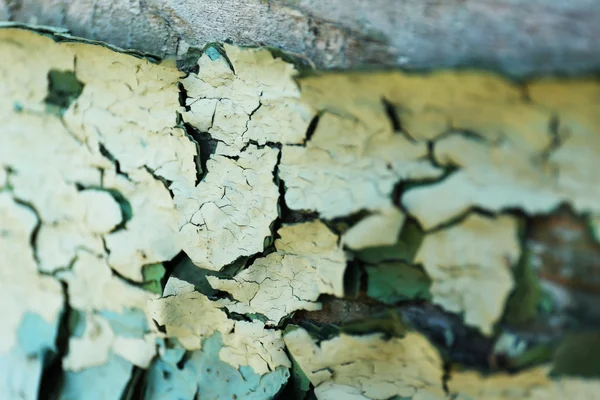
[520, 37]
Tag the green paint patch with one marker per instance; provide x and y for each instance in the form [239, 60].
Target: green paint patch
[578, 355]
[533, 356]
[152, 275]
[526, 301]
[63, 89]
[392, 282]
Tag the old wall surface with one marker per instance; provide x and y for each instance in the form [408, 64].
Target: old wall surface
[519, 37]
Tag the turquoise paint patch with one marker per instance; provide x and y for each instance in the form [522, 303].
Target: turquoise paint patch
[106, 382]
[132, 323]
[212, 53]
[35, 334]
[21, 373]
[214, 379]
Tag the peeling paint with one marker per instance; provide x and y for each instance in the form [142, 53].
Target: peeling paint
[429, 174]
[308, 262]
[470, 266]
[375, 368]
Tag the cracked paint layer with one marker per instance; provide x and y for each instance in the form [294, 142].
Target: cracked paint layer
[191, 318]
[533, 383]
[244, 99]
[226, 99]
[24, 290]
[307, 263]
[338, 173]
[98, 181]
[202, 374]
[531, 152]
[83, 203]
[369, 366]
[229, 213]
[470, 267]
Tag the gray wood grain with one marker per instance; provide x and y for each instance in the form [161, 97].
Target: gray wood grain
[518, 37]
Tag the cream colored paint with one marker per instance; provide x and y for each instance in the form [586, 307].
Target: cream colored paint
[57, 169]
[497, 135]
[470, 266]
[229, 213]
[375, 367]
[308, 262]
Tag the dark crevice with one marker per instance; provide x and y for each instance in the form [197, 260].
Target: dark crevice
[254, 111]
[447, 367]
[252, 142]
[170, 267]
[470, 135]
[118, 275]
[36, 228]
[207, 147]
[355, 279]
[281, 206]
[210, 48]
[192, 134]
[159, 327]
[286, 214]
[341, 224]
[107, 154]
[126, 209]
[460, 218]
[234, 158]
[405, 185]
[52, 376]
[135, 387]
[166, 183]
[184, 359]
[197, 157]
[124, 204]
[392, 113]
[312, 127]
[183, 96]
[457, 342]
[525, 96]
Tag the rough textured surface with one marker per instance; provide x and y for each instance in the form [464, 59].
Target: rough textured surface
[308, 263]
[530, 384]
[204, 375]
[376, 368]
[67, 193]
[518, 36]
[477, 253]
[229, 213]
[374, 194]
